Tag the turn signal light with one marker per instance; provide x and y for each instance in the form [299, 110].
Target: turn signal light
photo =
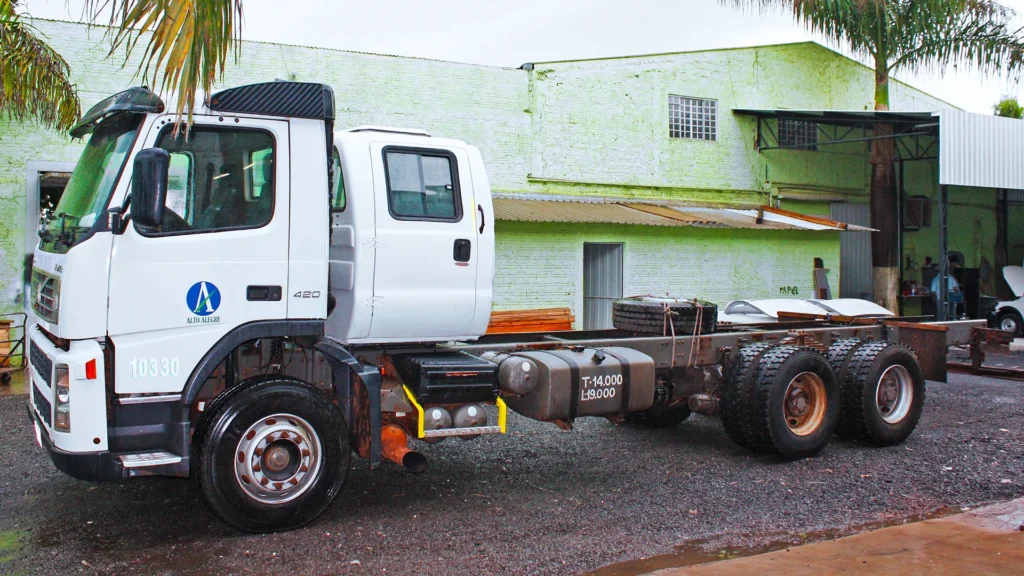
[90, 369]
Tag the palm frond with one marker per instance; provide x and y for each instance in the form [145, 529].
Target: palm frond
[34, 79]
[185, 43]
[942, 33]
[913, 34]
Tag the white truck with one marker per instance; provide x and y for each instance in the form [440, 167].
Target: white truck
[249, 299]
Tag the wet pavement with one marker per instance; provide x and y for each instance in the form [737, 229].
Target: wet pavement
[539, 501]
[985, 541]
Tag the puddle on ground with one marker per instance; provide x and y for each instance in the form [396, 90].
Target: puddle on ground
[702, 551]
[17, 386]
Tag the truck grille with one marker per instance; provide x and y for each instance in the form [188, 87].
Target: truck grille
[42, 405]
[45, 295]
[42, 363]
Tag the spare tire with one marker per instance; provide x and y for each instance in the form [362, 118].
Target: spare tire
[646, 315]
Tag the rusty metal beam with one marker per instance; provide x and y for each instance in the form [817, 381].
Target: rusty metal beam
[987, 371]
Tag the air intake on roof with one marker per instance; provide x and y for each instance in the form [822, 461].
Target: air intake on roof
[289, 99]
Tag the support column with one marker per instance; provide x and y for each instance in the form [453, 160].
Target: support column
[943, 293]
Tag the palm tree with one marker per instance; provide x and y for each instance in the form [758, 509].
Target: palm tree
[909, 35]
[34, 79]
[184, 48]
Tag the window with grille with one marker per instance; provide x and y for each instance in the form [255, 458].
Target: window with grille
[693, 118]
[798, 134]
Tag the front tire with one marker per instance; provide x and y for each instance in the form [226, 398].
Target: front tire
[272, 455]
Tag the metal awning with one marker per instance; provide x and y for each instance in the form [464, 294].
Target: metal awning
[916, 134]
[842, 117]
[588, 209]
[972, 150]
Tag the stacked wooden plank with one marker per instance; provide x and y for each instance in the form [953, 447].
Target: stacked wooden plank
[542, 320]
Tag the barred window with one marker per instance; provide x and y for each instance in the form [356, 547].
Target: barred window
[694, 118]
[798, 133]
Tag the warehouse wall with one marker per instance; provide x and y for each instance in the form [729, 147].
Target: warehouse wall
[608, 119]
[482, 105]
[595, 127]
[715, 264]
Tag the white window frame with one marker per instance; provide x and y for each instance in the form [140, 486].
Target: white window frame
[692, 118]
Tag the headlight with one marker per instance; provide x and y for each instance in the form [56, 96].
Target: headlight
[62, 399]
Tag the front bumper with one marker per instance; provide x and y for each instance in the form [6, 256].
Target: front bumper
[93, 466]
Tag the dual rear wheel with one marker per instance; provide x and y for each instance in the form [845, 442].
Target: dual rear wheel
[788, 400]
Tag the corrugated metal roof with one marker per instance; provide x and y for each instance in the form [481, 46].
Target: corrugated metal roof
[586, 209]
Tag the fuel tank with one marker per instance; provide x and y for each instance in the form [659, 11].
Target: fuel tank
[574, 382]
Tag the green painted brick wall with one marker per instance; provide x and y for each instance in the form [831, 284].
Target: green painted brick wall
[594, 127]
[541, 264]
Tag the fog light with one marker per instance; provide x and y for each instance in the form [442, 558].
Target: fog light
[62, 399]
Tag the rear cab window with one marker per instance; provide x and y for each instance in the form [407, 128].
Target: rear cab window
[422, 184]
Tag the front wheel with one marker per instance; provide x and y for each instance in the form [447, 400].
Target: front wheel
[272, 455]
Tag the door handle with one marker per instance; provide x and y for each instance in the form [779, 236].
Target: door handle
[463, 250]
[263, 293]
[481, 210]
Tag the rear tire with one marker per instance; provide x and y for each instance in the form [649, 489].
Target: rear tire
[740, 393]
[883, 392]
[272, 455]
[797, 403]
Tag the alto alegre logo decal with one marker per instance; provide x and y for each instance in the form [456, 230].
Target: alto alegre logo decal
[203, 300]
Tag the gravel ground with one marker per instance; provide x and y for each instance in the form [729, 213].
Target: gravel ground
[539, 501]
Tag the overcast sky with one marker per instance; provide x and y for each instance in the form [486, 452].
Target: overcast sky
[511, 33]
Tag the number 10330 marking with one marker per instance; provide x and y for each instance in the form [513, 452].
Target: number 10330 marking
[154, 367]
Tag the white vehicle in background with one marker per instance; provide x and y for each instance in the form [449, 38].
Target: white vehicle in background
[765, 311]
[252, 300]
[1009, 316]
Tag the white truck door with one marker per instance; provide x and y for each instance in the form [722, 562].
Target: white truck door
[426, 248]
[220, 259]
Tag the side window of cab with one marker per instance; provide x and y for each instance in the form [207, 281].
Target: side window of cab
[218, 179]
[338, 186]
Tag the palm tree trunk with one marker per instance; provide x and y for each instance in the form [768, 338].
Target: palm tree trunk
[885, 258]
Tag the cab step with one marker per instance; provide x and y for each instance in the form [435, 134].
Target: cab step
[144, 459]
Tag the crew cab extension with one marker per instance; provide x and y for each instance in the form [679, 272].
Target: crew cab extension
[252, 298]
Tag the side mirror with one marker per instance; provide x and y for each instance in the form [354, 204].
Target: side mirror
[149, 187]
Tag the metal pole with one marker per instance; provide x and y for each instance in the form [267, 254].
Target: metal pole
[943, 292]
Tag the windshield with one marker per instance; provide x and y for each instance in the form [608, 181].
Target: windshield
[87, 193]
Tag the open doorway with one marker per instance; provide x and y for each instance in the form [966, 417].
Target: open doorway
[44, 185]
[602, 283]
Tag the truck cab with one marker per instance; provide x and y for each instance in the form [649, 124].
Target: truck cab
[175, 244]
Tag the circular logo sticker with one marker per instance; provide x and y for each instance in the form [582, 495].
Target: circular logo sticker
[203, 298]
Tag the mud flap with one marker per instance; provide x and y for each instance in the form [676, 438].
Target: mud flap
[928, 341]
[350, 397]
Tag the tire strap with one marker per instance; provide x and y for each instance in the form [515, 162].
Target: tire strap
[626, 385]
[574, 383]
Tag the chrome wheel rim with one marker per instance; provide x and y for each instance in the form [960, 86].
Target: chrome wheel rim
[804, 404]
[277, 459]
[895, 394]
